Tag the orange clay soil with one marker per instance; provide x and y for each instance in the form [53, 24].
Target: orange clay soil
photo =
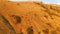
[29, 18]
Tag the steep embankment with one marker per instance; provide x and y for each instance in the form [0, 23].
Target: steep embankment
[29, 18]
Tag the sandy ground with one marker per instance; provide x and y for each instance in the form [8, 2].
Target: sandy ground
[29, 18]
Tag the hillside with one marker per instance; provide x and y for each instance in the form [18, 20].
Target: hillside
[29, 18]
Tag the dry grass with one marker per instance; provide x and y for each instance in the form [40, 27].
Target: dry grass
[35, 18]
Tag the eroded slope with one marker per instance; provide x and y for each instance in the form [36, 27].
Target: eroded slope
[29, 18]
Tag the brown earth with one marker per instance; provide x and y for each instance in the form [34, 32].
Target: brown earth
[29, 18]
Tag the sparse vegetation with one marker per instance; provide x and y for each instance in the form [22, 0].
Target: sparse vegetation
[42, 17]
